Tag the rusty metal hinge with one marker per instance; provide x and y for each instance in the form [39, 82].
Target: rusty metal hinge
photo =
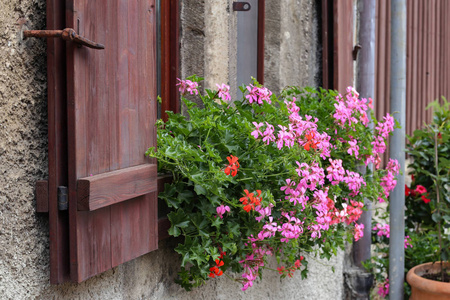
[67, 34]
[62, 198]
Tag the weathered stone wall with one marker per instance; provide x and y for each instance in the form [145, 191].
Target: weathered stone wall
[293, 46]
[208, 46]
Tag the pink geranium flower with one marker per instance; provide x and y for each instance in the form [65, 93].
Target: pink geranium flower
[224, 92]
[187, 86]
[222, 209]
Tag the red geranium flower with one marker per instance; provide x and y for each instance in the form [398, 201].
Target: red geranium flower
[420, 189]
[426, 200]
[310, 144]
[250, 201]
[233, 165]
[219, 262]
[407, 190]
[298, 263]
[215, 271]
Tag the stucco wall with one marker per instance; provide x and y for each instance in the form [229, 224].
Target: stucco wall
[208, 38]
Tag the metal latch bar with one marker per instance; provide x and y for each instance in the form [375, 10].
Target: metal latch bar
[67, 34]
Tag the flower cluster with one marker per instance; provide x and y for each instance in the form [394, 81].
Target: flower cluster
[383, 131]
[290, 271]
[187, 86]
[384, 230]
[294, 182]
[258, 94]
[383, 289]
[250, 201]
[350, 108]
[388, 181]
[420, 190]
[252, 263]
[215, 270]
[408, 242]
[224, 92]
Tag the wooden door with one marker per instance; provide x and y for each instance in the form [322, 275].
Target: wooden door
[110, 113]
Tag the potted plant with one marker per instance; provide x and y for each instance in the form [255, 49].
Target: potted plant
[430, 150]
[267, 176]
[427, 215]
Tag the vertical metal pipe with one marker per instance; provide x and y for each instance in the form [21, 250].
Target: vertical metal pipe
[398, 104]
[360, 280]
[365, 81]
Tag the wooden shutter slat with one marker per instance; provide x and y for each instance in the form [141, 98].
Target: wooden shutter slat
[93, 245]
[109, 188]
[42, 196]
[57, 144]
[134, 228]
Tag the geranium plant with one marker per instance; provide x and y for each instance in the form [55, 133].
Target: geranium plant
[430, 150]
[427, 200]
[267, 176]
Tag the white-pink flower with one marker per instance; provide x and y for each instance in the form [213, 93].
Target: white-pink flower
[359, 231]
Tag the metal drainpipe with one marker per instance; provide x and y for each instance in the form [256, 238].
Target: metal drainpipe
[366, 89]
[398, 105]
[365, 80]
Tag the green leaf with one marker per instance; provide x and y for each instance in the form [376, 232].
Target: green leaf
[174, 231]
[195, 256]
[178, 219]
[444, 162]
[186, 259]
[436, 217]
[200, 190]
[217, 222]
[189, 104]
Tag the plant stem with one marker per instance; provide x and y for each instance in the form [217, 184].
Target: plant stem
[436, 159]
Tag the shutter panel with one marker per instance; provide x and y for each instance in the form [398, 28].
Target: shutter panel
[111, 112]
[343, 44]
[337, 40]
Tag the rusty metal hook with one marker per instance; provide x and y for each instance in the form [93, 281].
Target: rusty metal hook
[67, 34]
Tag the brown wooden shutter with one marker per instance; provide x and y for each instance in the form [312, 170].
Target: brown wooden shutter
[110, 110]
[337, 40]
[343, 44]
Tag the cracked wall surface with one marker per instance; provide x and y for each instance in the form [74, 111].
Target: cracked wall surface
[208, 48]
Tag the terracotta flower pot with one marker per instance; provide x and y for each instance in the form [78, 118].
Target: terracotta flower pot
[427, 289]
